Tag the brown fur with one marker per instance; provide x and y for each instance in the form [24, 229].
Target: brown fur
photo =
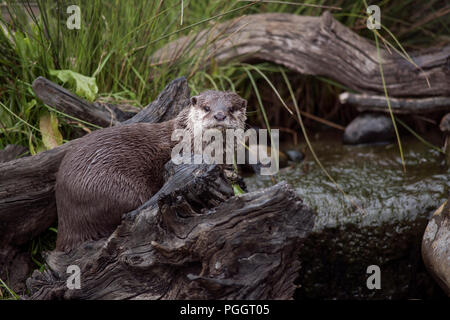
[115, 170]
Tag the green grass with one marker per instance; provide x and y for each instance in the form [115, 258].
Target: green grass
[6, 293]
[117, 38]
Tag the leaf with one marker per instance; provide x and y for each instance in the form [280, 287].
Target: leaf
[53, 229]
[84, 86]
[30, 145]
[51, 137]
[237, 190]
[29, 106]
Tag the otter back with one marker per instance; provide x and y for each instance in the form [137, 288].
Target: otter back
[108, 173]
[115, 170]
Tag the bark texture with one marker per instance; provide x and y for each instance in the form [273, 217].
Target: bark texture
[435, 247]
[192, 240]
[365, 102]
[318, 46]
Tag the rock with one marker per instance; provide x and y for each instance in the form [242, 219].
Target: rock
[12, 152]
[295, 155]
[436, 247]
[445, 128]
[445, 123]
[369, 128]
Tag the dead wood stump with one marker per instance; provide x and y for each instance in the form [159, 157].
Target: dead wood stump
[192, 240]
[435, 247]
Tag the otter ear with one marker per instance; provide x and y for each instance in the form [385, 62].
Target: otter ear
[194, 100]
[243, 104]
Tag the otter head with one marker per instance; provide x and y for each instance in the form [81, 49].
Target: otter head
[219, 110]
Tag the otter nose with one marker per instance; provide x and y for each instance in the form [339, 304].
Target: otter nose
[219, 116]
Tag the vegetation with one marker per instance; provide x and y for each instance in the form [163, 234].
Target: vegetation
[117, 37]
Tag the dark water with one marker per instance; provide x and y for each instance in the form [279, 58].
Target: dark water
[380, 220]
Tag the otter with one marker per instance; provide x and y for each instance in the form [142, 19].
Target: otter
[115, 170]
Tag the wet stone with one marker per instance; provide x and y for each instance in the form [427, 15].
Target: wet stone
[369, 128]
[295, 155]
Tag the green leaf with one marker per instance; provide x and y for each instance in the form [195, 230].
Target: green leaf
[53, 229]
[29, 106]
[51, 137]
[84, 86]
[237, 190]
[30, 145]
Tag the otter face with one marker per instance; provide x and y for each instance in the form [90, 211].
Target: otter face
[219, 110]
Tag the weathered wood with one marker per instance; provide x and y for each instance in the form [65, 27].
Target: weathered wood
[11, 152]
[365, 102]
[164, 108]
[445, 128]
[27, 204]
[435, 246]
[65, 101]
[445, 123]
[27, 201]
[318, 46]
[27, 208]
[192, 240]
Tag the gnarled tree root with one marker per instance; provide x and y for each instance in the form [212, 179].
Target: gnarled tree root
[192, 240]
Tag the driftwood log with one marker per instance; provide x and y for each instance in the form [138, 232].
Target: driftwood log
[164, 108]
[365, 102]
[307, 45]
[435, 246]
[66, 102]
[318, 46]
[192, 240]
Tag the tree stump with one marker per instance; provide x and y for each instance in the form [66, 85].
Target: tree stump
[192, 240]
[435, 246]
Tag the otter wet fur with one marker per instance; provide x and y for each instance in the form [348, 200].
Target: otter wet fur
[114, 170]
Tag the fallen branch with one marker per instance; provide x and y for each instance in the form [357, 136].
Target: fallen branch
[65, 101]
[165, 107]
[365, 102]
[316, 46]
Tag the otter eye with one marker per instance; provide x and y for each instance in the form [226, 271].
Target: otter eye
[206, 108]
